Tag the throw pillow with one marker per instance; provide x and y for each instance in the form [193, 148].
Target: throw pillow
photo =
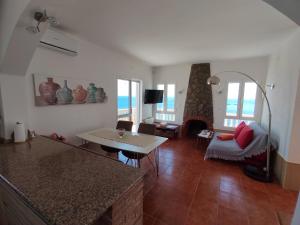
[245, 137]
[239, 128]
[225, 136]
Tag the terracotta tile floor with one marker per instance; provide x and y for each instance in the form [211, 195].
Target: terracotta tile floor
[191, 191]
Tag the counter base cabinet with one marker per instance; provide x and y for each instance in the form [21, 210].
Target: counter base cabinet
[128, 210]
[13, 210]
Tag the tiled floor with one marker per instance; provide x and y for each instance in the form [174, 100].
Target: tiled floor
[191, 191]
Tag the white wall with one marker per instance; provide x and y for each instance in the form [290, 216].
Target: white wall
[179, 74]
[93, 63]
[255, 67]
[14, 107]
[284, 72]
[10, 11]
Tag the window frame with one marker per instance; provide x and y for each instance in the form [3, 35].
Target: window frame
[165, 103]
[129, 115]
[242, 103]
[238, 102]
[239, 116]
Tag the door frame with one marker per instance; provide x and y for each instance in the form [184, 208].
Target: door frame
[139, 114]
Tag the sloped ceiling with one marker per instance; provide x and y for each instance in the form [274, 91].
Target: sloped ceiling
[162, 32]
[290, 8]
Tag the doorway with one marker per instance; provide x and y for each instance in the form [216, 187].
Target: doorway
[129, 105]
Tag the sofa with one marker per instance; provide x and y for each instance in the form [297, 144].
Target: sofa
[230, 150]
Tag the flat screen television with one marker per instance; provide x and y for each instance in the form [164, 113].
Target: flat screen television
[153, 96]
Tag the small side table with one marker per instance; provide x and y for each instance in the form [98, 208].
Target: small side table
[205, 135]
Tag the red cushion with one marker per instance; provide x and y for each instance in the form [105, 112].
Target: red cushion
[239, 128]
[245, 137]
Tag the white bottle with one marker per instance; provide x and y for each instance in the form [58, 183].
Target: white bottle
[20, 133]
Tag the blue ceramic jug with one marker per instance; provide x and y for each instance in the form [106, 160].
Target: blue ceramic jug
[64, 94]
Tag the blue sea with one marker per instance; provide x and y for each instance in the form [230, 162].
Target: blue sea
[123, 102]
[248, 105]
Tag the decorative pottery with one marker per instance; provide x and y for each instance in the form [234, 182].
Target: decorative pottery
[66, 91]
[100, 95]
[79, 94]
[64, 95]
[92, 89]
[48, 91]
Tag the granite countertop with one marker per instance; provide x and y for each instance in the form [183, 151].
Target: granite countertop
[64, 184]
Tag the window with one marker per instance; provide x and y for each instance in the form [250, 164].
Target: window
[129, 101]
[240, 103]
[160, 106]
[249, 99]
[235, 122]
[171, 98]
[232, 99]
[165, 111]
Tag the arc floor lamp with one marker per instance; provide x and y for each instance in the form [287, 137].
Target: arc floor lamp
[258, 174]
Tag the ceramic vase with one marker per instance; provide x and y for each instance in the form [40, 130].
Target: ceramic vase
[79, 94]
[48, 91]
[100, 95]
[64, 95]
[92, 93]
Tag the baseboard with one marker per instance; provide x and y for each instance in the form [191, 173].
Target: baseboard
[287, 173]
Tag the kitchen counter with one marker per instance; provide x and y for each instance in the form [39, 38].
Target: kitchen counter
[64, 184]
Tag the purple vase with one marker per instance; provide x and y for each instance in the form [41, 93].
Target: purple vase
[48, 91]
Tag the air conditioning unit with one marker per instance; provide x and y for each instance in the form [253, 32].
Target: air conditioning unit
[58, 41]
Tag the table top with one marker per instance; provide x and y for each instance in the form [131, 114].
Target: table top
[62, 183]
[132, 141]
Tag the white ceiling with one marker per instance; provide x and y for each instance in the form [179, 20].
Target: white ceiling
[164, 32]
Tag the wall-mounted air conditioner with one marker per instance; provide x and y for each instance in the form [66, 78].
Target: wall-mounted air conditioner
[58, 41]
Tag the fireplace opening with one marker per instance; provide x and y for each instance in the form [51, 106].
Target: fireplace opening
[194, 127]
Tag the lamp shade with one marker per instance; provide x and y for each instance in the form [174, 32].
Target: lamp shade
[213, 80]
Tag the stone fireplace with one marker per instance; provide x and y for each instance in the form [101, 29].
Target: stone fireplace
[194, 127]
[198, 110]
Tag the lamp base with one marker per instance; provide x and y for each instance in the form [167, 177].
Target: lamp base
[257, 174]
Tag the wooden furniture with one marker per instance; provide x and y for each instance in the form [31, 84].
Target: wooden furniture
[136, 143]
[168, 130]
[126, 125]
[144, 128]
[45, 182]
